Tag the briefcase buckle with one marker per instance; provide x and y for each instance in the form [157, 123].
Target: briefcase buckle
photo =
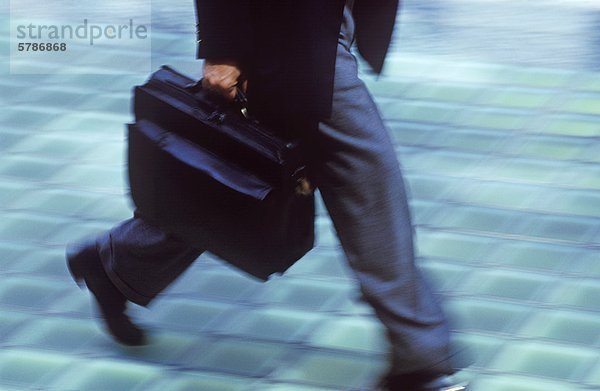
[303, 185]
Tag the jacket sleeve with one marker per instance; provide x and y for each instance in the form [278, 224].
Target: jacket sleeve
[224, 29]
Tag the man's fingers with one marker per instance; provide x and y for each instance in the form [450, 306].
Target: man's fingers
[221, 78]
[225, 88]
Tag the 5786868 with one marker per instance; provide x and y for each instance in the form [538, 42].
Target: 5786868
[42, 47]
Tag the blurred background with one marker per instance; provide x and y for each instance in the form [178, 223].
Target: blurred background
[494, 107]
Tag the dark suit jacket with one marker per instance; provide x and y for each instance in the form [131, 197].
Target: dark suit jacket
[287, 48]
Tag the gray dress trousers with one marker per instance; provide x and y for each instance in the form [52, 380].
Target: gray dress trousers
[362, 187]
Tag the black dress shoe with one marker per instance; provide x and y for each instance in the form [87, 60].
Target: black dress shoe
[86, 268]
[411, 382]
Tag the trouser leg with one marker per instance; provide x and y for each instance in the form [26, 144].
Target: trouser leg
[361, 184]
[141, 260]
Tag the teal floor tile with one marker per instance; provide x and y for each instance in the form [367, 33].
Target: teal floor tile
[587, 81]
[516, 98]
[112, 207]
[118, 103]
[583, 104]
[389, 88]
[165, 348]
[571, 126]
[482, 348]
[201, 381]
[504, 382]
[97, 125]
[429, 187]
[96, 178]
[56, 333]
[587, 264]
[404, 133]
[583, 293]
[564, 326]
[552, 148]
[525, 170]
[337, 371]
[51, 146]
[485, 119]
[28, 227]
[508, 284]
[9, 139]
[445, 92]
[445, 276]
[282, 386]
[109, 153]
[587, 178]
[104, 374]
[468, 73]
[351, 333]
[481, 219]
[536, 256]
[186, 314]
[10, 256]
[44, 262]
[28, 168]
[571, 202]
[543, 78]
[72, 231]
[420, 112]
[562, 228]
[28, 117]
[22, 368]
[503, 195]
[476, 141]
[593, 376]
[490, 316]
[10, 320]
[592, 153]
[443, 163]
[458, 247]
[303, 294]
[323, 263]
[497, 194]
[55, 201]
[325, 233]
[26, 292]
[72, 302]
[242, 358]
[273, 324]
[538, 359]
[224, 284]
[425, 212]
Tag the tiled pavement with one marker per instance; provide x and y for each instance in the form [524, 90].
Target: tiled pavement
[503, 164]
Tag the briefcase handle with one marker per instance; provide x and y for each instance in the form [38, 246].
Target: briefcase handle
[240, 96]
[303, 186]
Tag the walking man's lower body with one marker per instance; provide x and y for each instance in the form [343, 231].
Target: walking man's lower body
[362, 187]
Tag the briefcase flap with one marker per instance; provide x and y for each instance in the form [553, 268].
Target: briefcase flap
[166, 101]
[202, 160]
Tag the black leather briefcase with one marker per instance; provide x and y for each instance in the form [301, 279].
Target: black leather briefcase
[206, 174]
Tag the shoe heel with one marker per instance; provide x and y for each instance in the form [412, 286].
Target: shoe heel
[75, 258]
